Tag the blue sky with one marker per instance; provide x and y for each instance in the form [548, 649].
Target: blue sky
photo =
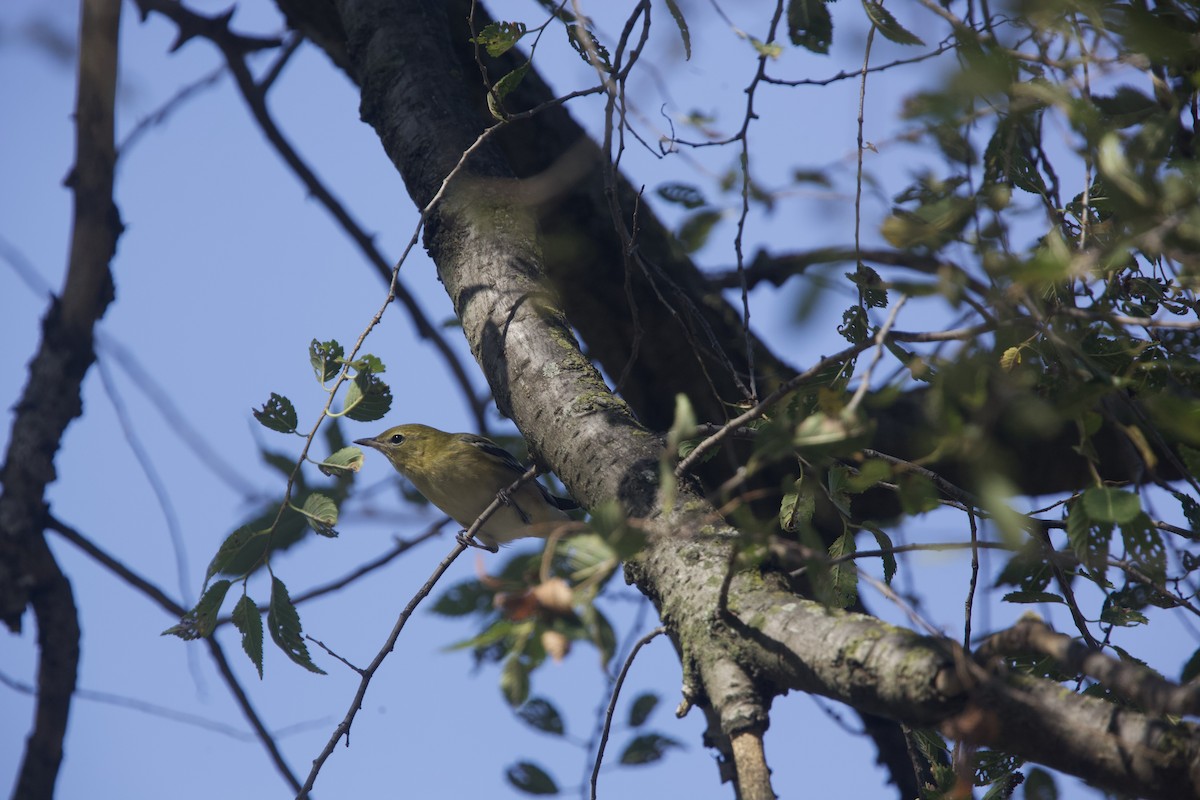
[224, 274]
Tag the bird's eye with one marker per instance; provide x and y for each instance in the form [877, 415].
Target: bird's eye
[397, 438]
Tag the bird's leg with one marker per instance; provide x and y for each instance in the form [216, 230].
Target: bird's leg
[467, 541]
[504, 497]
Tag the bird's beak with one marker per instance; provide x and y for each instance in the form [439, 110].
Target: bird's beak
[371, 443]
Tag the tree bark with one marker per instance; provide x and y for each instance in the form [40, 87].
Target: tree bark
[746, 639]
[29, 574]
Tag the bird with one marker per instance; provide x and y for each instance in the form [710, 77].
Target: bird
[462, 473]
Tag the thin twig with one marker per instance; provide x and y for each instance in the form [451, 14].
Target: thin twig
[879, 339]
[612, 703]
[343, 727]
[176, 610]
[974, 580]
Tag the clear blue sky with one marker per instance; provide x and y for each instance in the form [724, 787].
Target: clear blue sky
[225, 272]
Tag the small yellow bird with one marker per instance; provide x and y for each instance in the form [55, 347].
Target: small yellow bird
[462, 473]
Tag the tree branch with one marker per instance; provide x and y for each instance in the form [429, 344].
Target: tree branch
[29, 575]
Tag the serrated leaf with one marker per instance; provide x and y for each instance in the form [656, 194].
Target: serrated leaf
[887, 25]
[643, 705]
[514, 681]
[542, 715]
[1010, 359]
[681, 23]
[345, 461]
[201, 620]
[1088, 540]
[583, 42]
[529, 778]
[796, 509]
[1115, 613]
[326, 359]
[870, 286]
[683, 194]
[369, 363]
[247, 620]
[1144, 546]
[647, 748]
[283, 622]
[499, 37]
[322, 514]
[1032, 597]
[809, 25]
[854, 325]
[843, 577]
[278, 414]
[503, 88]
[467, 597]
[230, 549]
[1106, 504]
[368, 398]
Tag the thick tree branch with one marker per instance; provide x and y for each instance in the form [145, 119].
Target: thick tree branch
[29, 575]
[487, 251]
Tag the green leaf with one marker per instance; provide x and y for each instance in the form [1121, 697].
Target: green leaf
[503, 88]
[1115, 612]
[889, 559]
[1144, 546]
[1088, 540]
[772, 50]
[230, 549]
[683, 194]
[796, 509]
[368, 398]
[582, 42]
[681, 23]
[854, 325]
[647, 748]
[345, 461]
[278, 414]
[542, 715]
[1191, 669]
[1033, 597]
[529, 778]
[643, 705]
[326, 359]
[809, 25]
[1126, 106]
[1105, 504]
[843, 577]
[1039, 785]
[322, 514]
[369, 363]
[694, 232]
[247, 620]
[284, 624]
[887, 25]
[870, 286]
[499, 37]
[467, 597]
[201, 620]
[600, 632]
[514, 680]
[496, 632]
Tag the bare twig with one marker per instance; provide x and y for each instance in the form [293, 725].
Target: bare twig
[173, 608]
[612, 703]
[368, 673]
